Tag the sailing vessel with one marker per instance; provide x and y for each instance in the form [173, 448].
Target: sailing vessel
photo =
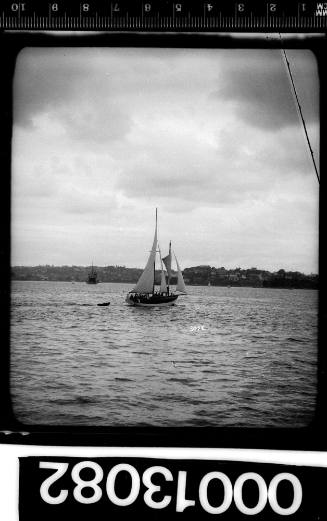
[145, 294]
[92, 277]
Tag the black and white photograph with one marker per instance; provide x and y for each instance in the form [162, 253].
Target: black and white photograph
[164, 237]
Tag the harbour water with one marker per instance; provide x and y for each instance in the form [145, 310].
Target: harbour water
[219, 357]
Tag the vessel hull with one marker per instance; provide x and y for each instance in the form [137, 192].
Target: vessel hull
[152, 301]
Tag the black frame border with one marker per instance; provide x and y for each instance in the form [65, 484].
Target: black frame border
[313, 437]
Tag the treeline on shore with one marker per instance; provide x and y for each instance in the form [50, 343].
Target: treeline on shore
[194, 276]
[253, 277]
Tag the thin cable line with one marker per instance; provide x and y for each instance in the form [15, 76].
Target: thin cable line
[300, 111]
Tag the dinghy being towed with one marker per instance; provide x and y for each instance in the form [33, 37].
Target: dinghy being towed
[144, 293]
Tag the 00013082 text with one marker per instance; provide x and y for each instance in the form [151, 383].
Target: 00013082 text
[230, 492]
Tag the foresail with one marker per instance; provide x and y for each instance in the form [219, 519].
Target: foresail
[167, 262]
[146, 281]
[180, 286]
[163, 283]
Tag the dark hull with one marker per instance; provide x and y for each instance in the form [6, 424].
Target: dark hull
[151, 300]
[91, 281]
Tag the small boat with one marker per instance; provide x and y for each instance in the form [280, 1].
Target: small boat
[145, 294]
[92, 277]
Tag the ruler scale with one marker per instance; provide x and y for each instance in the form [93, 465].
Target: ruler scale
[163, 15]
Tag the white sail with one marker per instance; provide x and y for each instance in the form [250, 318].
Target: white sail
[146, 280]
[167, 262]
[163, 284]
[180, 286]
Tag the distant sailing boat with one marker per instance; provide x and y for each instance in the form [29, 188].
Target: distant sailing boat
[92, 277]
[144, 293]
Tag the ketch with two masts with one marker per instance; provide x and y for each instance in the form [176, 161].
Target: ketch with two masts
[145, 294]
[92, 277]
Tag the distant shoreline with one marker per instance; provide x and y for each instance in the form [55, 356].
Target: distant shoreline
[194, 276]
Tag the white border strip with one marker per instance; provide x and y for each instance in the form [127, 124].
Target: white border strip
[293, 457]
[9, 464]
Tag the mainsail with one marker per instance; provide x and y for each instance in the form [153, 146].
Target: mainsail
[180, 286]
[146, 281]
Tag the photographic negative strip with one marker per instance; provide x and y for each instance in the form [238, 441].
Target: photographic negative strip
[124, 158]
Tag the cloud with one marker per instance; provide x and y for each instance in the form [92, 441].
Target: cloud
[56, 86]
[44, 80]
[258, 88]
[233, 165]
[90, 125]
[103, 136]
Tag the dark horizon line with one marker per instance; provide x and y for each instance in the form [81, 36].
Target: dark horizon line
[136, 268]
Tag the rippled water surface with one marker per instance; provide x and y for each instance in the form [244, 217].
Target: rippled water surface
[219, 357]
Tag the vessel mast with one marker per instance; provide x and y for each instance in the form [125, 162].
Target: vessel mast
[154, 263]
[168, 270]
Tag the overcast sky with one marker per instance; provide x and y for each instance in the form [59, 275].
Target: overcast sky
[211, 137]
